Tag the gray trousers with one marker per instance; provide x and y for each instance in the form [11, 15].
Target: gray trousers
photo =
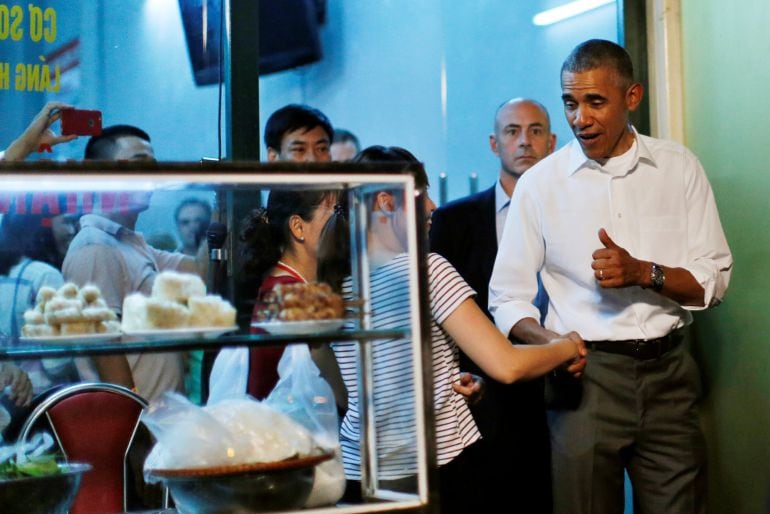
[639, 415]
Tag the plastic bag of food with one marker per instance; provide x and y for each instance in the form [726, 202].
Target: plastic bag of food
[234, 431]
[187, 437]
[304, 395]
[271, 436]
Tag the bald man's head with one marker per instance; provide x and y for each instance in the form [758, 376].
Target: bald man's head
[522, 135]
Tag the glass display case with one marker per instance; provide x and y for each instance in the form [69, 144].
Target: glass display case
[150, 194]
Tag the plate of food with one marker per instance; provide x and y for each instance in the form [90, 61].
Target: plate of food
[159, 334]
[310, 326]
[71, 338]
[70, 314]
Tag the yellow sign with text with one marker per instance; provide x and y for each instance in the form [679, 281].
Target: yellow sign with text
[35, 24]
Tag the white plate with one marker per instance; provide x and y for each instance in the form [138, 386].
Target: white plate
[76, 338]
[177, 333]
[311, 326]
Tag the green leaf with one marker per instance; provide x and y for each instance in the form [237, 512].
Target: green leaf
[35, 467]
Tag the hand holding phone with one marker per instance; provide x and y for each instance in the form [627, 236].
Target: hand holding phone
[38, 136]
[81, 122]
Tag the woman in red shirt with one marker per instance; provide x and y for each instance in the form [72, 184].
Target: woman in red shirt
[280, 245]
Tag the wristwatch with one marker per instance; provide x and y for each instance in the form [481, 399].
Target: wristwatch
[657, 277]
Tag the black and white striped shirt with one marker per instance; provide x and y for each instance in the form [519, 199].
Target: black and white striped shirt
[393, 385]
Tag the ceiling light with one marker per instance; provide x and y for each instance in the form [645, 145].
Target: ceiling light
[569, 10]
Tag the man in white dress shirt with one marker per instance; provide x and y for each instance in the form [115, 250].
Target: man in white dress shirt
[625, 233]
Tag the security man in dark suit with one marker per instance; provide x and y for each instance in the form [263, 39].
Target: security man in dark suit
[514, 452]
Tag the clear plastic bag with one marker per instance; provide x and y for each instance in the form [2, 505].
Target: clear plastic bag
[20, 453]
[298, 417]
[5, 420]
[234, 431]
[308, 399]
[229, 375]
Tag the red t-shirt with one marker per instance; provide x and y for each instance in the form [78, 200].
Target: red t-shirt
[263, 362]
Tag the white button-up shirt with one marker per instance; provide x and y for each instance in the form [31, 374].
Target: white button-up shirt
[659, 207]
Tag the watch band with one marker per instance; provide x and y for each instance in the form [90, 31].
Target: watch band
[657, 277]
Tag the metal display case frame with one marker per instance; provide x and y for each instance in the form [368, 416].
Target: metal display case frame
[236, 185]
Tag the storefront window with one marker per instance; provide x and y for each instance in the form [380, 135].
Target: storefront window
[425, 75]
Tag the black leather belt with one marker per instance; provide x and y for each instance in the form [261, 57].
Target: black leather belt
[642, 349]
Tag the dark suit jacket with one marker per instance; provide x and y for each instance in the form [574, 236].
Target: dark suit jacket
[463, 231]
[512, 417]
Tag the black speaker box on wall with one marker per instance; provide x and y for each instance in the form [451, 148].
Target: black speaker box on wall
[288, 35]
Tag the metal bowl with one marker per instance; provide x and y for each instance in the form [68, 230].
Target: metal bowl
[48, 494]
[259, 487]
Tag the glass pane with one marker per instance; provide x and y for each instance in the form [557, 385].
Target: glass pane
[423, 75]
[128, 60]
[380, 435]
[429, 75]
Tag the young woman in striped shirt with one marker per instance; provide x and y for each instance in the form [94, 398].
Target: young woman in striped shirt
[455, 321]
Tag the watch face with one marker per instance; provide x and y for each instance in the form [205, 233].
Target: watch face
[658, 278]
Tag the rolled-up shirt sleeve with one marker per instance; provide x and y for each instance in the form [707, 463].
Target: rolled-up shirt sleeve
[709, 259]
[174, 261]
[513, 287]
